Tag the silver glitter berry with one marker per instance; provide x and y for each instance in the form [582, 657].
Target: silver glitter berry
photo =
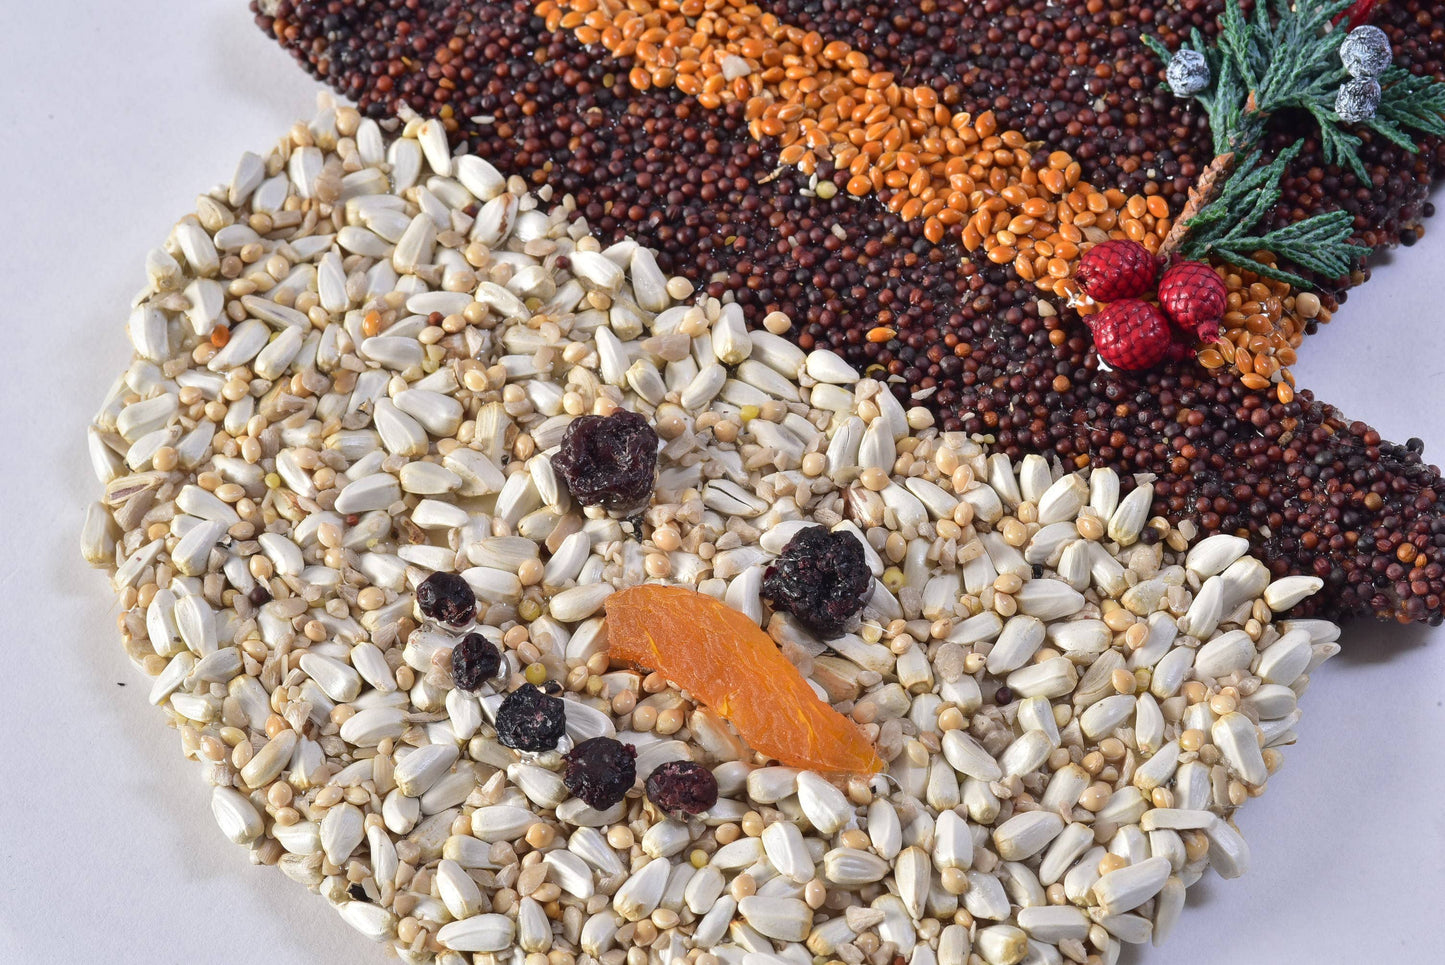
[1357, 100]
[1366, 52]
[1188, 73]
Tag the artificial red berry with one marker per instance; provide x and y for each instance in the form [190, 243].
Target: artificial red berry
[1194, 297]
[1131, 335]
[1358, 12]
[1116, 269]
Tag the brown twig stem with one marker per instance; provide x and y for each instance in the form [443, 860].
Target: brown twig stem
[1204, 191]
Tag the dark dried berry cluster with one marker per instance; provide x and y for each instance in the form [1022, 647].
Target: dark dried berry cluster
[475, 660]
[601, 771]
[821, 578]
[446, 598]
[529, 720]
[682, 787]
[608, 460]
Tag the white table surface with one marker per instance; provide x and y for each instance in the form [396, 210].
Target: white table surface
[107, 844]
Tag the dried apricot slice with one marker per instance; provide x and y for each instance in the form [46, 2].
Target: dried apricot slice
[724, 660]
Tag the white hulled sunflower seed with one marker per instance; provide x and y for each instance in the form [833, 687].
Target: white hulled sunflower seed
[781, 919]
[480, 933]
[641, 893]
[1025, 835]
[238, 818]
[1129, 887]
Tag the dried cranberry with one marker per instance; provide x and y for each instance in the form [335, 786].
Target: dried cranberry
[446, 598]
[608, 460]
[821, 578]
[601, 771]
[475, 660]
[529, 720]
[682, 786]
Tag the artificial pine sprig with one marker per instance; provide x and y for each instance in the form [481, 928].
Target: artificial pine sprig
[1301, 57]
[1224, 226]
[1268, 63]
[1285, 56]
[1411, 101]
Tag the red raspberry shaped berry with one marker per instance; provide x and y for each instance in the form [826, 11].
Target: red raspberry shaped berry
[1194, 297]
[1131, 335]
[1116, 269]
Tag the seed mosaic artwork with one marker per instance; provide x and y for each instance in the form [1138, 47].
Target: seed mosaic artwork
[374, 609]
[1232, 444]
[704, 482]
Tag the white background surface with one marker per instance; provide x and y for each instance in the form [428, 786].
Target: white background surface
[108, 850]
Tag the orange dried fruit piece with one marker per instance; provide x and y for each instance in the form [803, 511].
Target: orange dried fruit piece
[726, 661]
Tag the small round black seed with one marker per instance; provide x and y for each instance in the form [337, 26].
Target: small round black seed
[475, 660]
[529, 720]
[259, 595]
[601, 771]
[446, 598]
[682, 786]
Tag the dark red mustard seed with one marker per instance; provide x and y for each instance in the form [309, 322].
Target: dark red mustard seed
[600, 771]
[446, 598]
[682, 787]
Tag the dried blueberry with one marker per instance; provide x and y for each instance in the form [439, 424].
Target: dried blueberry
[821, 578]
[475, 660]
[601, 771]
[682, 786]
[608, 460]
[446, 598]
[529, 720]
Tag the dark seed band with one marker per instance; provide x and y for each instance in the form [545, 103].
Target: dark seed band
[1317, 493]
